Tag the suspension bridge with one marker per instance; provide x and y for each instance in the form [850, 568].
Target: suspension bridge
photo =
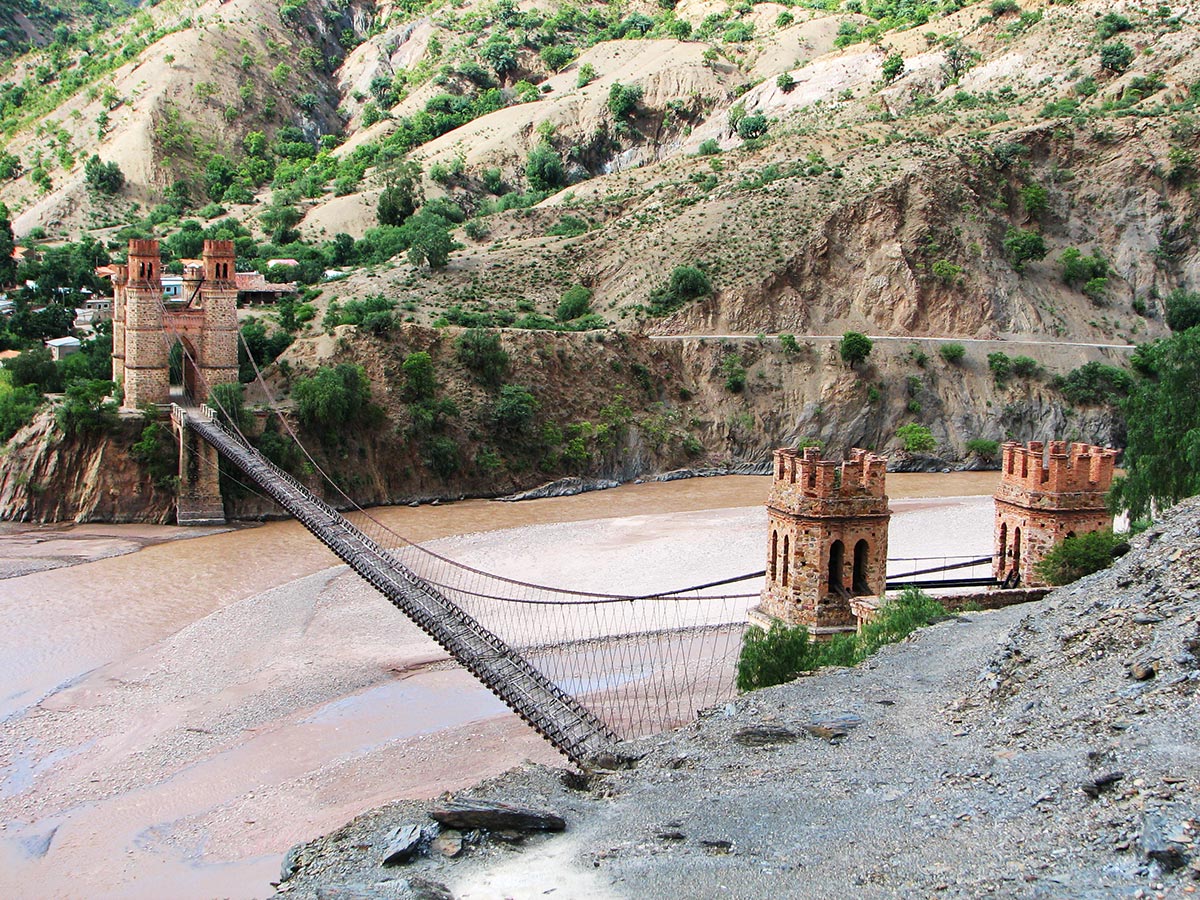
[583, 669]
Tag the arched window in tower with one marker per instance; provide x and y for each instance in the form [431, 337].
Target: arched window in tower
[787, 559]
[1016, 550]
[861, 585]
[774, 553]
[142, 269]
[837, 564]
[1003, 548]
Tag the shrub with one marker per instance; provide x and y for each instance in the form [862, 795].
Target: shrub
[785, 82]
[333, 397]
[103, 177]
[686, 284]
[983, 448]
[1116, 56]
[952, 353]
[623, 99]
[750, 127]
[576, 301]
[916, 438]
[774, 657]
[777, 656]
[1112, 24]
[946, 271]
[708, 148]
[1035, 199]
[1079, 269]
[420, 381]
[734, 372]
[854, 347]
[544, 168]
[788, 343]
[441, 455]
[514, 411]
[893, 68]
[1095, 384]
[431, 243]
[1025, 367]
[17, 408]
[1183, 310]
[1000, 365]
[1075, 557]
[1001, 7]
[1023, 247]
[480, 351]
[587, 74]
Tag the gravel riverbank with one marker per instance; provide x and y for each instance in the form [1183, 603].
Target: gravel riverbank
[1048, 750]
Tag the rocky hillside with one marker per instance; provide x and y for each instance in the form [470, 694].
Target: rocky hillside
[1015, 172]
[608, 406]
[1043, 750]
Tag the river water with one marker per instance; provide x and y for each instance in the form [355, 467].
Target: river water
[175, 718]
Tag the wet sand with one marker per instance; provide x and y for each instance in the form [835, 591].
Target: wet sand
[176, 718]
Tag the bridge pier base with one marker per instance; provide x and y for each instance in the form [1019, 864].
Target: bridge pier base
[199, 500]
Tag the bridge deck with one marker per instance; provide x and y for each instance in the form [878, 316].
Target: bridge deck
[553, 713]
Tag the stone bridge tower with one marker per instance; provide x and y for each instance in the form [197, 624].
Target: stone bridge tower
[827, 539]
[1044, 497]
[204, 321]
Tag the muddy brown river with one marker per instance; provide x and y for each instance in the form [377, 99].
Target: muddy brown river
[177, 716]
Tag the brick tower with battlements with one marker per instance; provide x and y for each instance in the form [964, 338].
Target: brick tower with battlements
[142, 360]
[826, 539]
[1045, 495]
[143, 325]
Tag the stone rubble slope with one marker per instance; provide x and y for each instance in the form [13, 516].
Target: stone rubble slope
[1046, 750]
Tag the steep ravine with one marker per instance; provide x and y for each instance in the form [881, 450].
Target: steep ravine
[650, 406]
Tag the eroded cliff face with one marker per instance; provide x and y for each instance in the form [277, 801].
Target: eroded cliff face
[606, 405]
[46, 476]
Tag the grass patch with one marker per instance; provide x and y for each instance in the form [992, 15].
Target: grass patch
[785, 652]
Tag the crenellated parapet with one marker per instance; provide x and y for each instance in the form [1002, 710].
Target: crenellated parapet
[1060, 476]
[807, 485]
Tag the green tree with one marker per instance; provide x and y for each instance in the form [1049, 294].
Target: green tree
[279, 221]
[514, 411]
[623, 99]
[750, 127]
[916, 438]
[36, 369]
[1183, 307]
[587, 74]
[1116, 56]
[854, 347]
[1000, 365]
[228, 401]
[544, 168]
[893, 68]
[576, 301]
[687, 283]
[1162, 414]
[401, 195]
[499, 53]
[8, 265]
[103, 177]
[431, 243]
[86, 408]
[420, 380]
[1077, 556]
[1023, 247]
[333, 397]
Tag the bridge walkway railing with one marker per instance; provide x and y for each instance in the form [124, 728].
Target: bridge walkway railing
[552, 712]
